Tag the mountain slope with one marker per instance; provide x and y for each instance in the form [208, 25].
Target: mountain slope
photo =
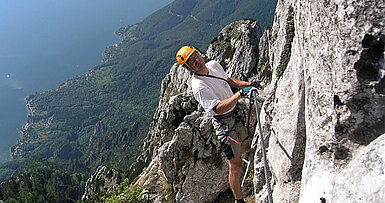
[123, 89]
[102, 116]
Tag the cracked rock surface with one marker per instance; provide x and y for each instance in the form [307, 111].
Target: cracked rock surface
[182, 137]
[323, 119]
[324, 115]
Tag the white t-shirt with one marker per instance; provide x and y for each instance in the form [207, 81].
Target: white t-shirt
[210, 91]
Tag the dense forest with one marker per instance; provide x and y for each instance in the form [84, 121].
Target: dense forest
[102, 116]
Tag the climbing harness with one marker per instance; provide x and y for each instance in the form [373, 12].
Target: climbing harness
[234, 115]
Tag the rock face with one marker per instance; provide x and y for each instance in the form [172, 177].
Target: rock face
[324, 116]
[102, 180]
[187, 161]
[236, 47]
[185, 153]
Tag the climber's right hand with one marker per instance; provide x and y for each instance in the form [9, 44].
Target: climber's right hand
[257, 84]
[245, 92]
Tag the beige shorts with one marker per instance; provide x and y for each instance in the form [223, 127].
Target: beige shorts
[231, 132]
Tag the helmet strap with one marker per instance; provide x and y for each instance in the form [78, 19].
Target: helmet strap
[188, 67]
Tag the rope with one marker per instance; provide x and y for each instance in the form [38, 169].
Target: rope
[257, 97]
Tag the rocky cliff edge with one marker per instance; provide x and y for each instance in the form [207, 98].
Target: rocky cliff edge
[323, 119]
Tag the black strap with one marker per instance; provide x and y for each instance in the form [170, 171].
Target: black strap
[233, 89]
[213, 76]
[229, 114]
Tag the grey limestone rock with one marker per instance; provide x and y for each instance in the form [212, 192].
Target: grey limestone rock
[324, 113]
[323, 118]
[236, 48]
[181, 138]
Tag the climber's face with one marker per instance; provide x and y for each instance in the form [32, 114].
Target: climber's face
[196, 62]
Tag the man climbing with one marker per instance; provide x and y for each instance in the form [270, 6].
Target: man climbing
[212, 89]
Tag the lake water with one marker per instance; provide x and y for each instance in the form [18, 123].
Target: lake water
[45, 42]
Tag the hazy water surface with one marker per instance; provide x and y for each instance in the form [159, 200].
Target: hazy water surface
[45, 42]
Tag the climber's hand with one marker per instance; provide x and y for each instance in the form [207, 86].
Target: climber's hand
[244, 91]
[257, 84]
[247, 91]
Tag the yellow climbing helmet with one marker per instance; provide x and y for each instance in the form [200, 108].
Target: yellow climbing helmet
[184, 53]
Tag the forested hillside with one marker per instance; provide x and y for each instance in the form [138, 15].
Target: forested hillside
[102, 116]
